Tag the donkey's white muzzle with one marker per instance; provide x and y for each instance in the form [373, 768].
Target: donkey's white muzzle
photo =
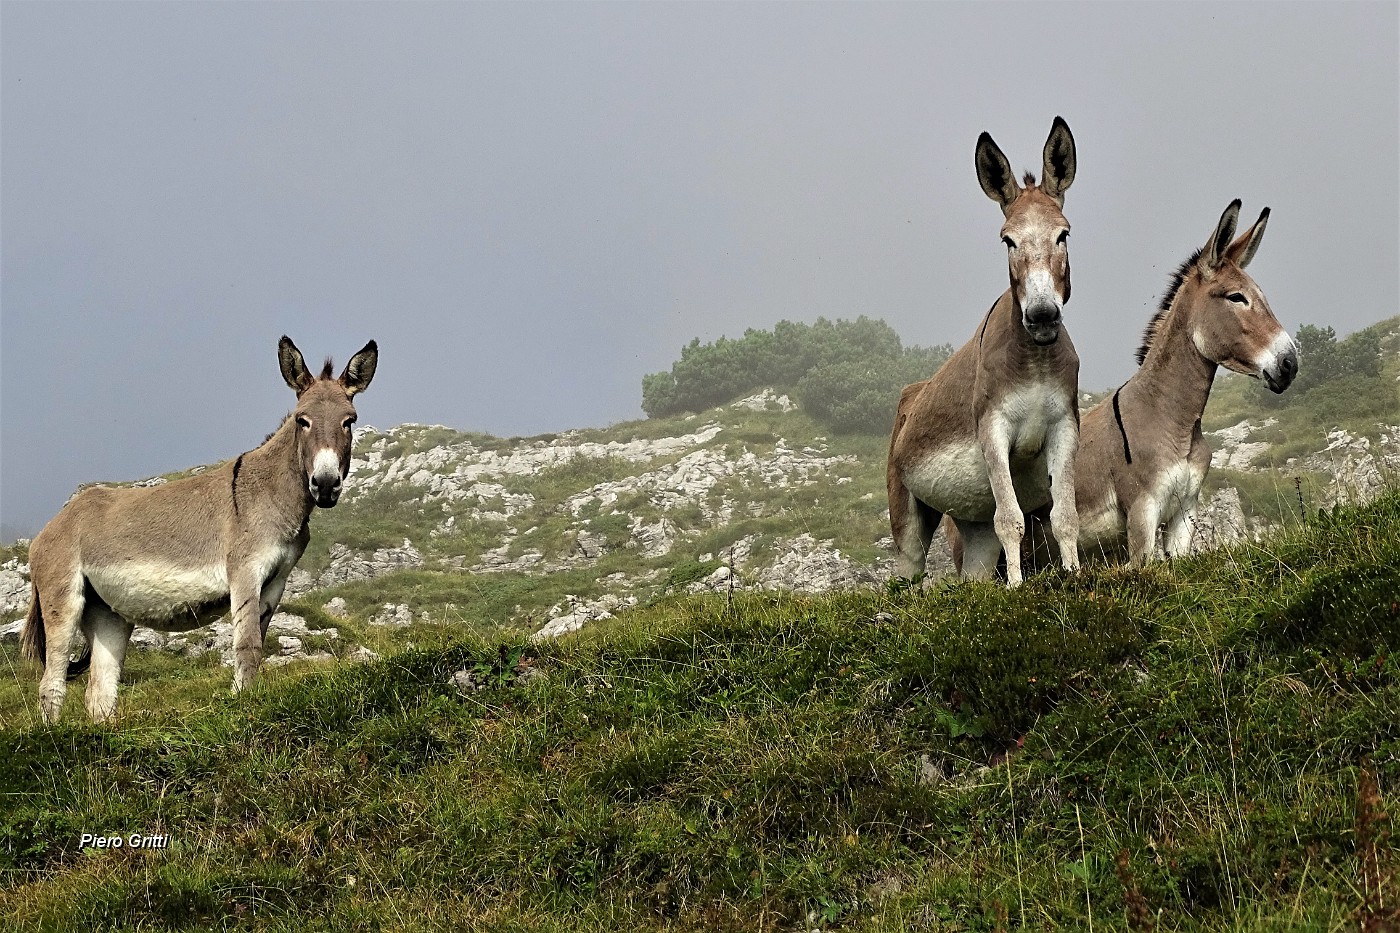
[324, 484]
[1279, 364]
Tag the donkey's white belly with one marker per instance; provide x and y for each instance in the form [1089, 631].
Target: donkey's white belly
[953, 477]
[1102, 526]
[154, 593]
[954, 480]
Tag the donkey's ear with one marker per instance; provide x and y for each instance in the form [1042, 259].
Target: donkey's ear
[1243, 249]
[360, 370]
[994, 173]
[1059, 161]
[1214, 253]
[293, 366]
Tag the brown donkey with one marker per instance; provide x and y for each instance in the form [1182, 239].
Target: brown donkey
[177, 556]
[993, 433]
[1142, 458]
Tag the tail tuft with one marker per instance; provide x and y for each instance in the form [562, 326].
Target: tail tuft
[32, 642]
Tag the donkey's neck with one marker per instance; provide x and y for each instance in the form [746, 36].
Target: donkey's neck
[271, 483]
[1174, 379]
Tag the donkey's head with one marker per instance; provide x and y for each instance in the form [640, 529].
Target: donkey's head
[1036, 233]
[1231, 321]
[325, 416]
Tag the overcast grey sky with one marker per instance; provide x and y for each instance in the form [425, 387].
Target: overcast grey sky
[530, 206]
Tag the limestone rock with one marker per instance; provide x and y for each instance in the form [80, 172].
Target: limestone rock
[14, 588]
[764, 401]
[395, 615]
[573, 613]
[346, 565]
[806, 565]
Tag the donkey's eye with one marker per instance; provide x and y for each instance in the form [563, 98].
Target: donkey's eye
[303, 421]
[1010, 243]
[1063, 238]
[1238, 298]
[349, 423]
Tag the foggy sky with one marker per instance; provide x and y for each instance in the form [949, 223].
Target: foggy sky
[530, 206]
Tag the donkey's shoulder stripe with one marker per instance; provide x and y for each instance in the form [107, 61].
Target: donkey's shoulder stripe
[1122, 431]
[983, 332]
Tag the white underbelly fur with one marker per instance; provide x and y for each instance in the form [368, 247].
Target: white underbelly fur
[162, 596]
[1102, 526]
[152, 593]
[953, 477]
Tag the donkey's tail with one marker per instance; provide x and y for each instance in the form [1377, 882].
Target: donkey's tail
[33, 641]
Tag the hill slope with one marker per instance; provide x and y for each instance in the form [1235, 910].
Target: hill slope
[557, 530]
[1211, 745]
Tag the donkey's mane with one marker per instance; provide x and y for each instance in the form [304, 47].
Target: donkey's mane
[328, 370]
[1029, 179]
[270, 434]
[1163, 309]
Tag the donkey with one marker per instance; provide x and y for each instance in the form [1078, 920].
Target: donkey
[1142, 458]
[993, 433]
[179, 555]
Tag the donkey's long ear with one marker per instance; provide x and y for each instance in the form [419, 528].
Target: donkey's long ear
[293, 366]
[1214, 253]
[1243, 249]
[1059, 161]
[360, 370]
[994, 173]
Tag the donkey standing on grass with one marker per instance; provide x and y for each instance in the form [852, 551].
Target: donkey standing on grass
[993, 433]
[1142, 458]
[177, 556]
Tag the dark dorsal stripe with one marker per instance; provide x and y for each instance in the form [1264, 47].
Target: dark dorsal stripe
[1118, 416]
[233, 487]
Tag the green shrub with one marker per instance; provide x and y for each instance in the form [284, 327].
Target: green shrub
[847, 373]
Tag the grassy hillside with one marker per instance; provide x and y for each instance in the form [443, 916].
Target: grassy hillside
[1211, 745]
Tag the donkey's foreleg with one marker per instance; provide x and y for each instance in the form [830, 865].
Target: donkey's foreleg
[1144, 520]
[109, 635]
[1010, 524]
[245, 600]
[1061, 447]
[1180, 527]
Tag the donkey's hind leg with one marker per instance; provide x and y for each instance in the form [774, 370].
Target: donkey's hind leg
[109, 634]
[62, 613]
[981, 550]
[912, 524]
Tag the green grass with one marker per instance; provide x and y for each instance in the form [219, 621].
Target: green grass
[1185, 743]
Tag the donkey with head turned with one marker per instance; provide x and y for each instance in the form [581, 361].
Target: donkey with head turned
[1142, 457]
[993, 433]
[179, 555]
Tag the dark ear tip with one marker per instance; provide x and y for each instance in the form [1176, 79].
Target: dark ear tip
[1059, 123]
[372, 347]
[285, 341]
[1234, 205]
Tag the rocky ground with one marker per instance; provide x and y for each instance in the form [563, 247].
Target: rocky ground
[664, 495]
